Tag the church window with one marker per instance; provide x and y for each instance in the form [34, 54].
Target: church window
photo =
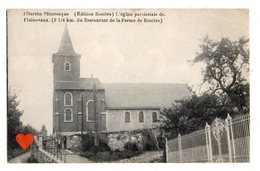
[68, 99]
[67, 66]
[68, 115]
[141, 117]
[90, 111]
[154, 117]
[127, 117]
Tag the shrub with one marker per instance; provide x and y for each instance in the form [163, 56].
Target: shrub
[133, 146]
[151, 142]
[88, 144]
[104, 146]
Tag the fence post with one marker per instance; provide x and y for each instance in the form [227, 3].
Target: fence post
[232, 137]
[228, 138]
[208, 141]
[166, 150]
[180, 147]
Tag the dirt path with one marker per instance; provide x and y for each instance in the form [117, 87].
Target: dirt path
[74, 158]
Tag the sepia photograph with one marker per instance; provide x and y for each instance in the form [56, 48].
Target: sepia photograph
[128, 86]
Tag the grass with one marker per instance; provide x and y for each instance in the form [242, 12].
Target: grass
[12, 153]
[109, 156]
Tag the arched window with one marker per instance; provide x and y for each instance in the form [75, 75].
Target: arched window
[67, 66]
[141, 117]
[90, 115]
[127, 117]
[68, 99]
[154, 117]
[68, 115]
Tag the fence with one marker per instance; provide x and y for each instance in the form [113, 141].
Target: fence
[223, 141]
[48, 153]
[44, 156]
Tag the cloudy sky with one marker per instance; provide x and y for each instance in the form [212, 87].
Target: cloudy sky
[112, 52]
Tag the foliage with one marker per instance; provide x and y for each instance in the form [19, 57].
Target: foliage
[43, 129]
[227, 87]
[88, 144]
[151, 141]
[14, 125]
[133, 146]
[13, 119]
[192, 114]
[227, 67]
[28, 130]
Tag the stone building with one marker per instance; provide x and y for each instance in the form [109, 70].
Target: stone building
[86, 104]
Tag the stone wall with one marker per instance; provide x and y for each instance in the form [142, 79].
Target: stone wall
[116, 120]
[117, 141]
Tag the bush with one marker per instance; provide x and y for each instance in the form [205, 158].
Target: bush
[88, 144]
[103, 146]
[151, 142]
[133, 146]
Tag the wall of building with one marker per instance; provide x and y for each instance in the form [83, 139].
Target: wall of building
[58, 69]
[116, 120]
[75, 125]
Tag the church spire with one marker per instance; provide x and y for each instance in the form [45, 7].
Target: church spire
[66, 44]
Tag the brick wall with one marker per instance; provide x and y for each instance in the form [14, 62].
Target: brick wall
[75, 125]
[58, 69]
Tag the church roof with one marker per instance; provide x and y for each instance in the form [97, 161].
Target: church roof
[66, 44]
[143, 95]
[83, 84]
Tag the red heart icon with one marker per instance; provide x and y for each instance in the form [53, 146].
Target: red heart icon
[24, 140]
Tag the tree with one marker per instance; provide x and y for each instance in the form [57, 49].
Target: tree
[192, 114]
[43, 132]
[13, 119]
[28, 129]
[14, 125]
[227, 66]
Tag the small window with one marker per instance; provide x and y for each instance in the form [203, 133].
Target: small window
[154, 117]
[68, 99]
[67, 66]
[68, 115]
[141, 117]
[127, 117]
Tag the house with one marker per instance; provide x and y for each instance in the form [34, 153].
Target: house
[86, 104]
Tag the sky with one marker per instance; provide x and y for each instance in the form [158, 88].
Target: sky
[112, 52]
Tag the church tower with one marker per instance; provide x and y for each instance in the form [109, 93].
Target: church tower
[66, 70]
[66, 61]
[78, 103]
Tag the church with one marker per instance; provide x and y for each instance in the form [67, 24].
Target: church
[87, 104]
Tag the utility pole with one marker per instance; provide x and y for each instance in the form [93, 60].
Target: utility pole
[82, 119]
[59, 128]
[96, 114]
